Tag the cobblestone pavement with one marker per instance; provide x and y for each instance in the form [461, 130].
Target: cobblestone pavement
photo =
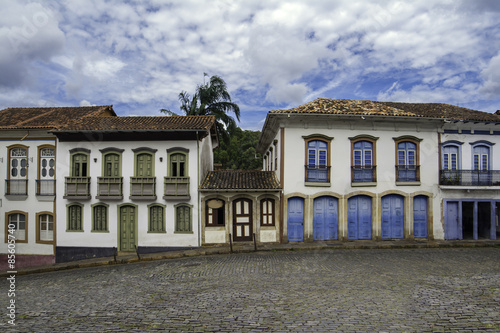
[397, 290]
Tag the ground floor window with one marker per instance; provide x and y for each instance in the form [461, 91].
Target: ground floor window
[267, 212]
[157, 218]
[183, 219]
[18, 223]
[100, 221]
[215, 213]
[46, 227]
[75, 217]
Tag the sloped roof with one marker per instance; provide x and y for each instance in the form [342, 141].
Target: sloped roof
[232, 180]
[50, 117]
[158, 123]
[375, 108]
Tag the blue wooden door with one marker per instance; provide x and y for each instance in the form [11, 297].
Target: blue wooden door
[295, 219]
[325, 220]
[359, 217]
[452, 226]
[392, 216]
[420, 216]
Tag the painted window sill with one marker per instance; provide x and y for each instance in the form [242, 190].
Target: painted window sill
[411, 183]
[318, 184]
[183, 232]
[364, 184]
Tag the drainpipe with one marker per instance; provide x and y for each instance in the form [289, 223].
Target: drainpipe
[198, 190]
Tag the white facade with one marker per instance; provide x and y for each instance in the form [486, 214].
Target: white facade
[30, 207]
[199, 161]
[287, 156]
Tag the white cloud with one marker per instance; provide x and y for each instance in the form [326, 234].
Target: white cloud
[491, 75]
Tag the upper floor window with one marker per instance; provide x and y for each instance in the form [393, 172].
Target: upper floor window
[46, 171]
[178, 165]
[450, 158]
[481, 158]
[17, 182]
[363, 163]
[111, 165]
[79, 165]
[144, 164]
[317, 158]
[407, 166]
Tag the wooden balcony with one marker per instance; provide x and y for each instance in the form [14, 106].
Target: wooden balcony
[176, 188]
[110, 188]
[143, 188]
[77, 188]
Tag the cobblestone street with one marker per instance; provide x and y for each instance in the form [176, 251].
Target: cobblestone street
[397, 290]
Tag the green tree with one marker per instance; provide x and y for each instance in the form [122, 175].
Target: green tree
[211, 98]
[239, 152]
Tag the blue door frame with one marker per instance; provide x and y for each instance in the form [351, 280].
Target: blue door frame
[325, 220]
[453, 227]
[392, 216]
[420, 216]
[295, 225]
[359, 217]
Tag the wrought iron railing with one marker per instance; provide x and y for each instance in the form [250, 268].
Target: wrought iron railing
[16, 187]
[407, 173]
[317, 173]
[46, 187]
[470, 177]
[364, 174]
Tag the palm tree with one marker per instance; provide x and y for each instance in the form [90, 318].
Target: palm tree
[211, 98]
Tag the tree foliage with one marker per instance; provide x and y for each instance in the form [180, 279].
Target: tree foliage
[239, 152]
[211, 98]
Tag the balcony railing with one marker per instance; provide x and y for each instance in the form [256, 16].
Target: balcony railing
[176, 188]
[143, 188]
[16, 187]
[470, 177]
[46, 187]
[77, 188]
[364, 174]
[407, 173]
[110, 188]
[317, 173]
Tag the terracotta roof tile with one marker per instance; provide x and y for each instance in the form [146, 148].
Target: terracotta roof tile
[375, 108]
[51, 118]
[140, 123]
[231, 180]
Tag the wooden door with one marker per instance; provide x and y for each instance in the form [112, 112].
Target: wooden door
[392, 216]
[453, 227]
[359, 217]
[325, 220]
[242, 220]
[128, 228]
[295, 224]
[420, 216]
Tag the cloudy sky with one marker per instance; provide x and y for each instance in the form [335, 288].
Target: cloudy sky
[273, 54]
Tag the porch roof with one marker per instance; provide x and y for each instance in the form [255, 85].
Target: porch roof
[240, 180]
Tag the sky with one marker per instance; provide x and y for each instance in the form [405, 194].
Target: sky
[272, 54]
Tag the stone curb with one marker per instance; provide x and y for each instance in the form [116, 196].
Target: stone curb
[106, 261]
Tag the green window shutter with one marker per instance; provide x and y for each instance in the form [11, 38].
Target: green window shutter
[112, 165]
[100, 218]
[79, 165]
[156, 222]
[178, 165]
[183, 219]
[144, 165]
[75, 218]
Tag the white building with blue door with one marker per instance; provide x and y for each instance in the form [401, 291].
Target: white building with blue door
[365, 170]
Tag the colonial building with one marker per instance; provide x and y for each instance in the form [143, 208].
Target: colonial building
[131, 184]
[28, 162]
[240, 206]
[371, 170]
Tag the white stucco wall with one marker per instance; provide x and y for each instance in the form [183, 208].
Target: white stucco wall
[87, 238]
[30, 204]
[340, 153]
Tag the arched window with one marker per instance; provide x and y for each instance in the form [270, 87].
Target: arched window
[99, 217]
[156, 218]
[267, 212]
[363, 160]
[46, 171]
[75, 217]
[317, 164]
[17, 182]
[18, 223]
[45, 227]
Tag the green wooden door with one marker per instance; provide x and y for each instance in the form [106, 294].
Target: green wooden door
[127, 228]
[112, 165]
[144, 167]
[79, 165]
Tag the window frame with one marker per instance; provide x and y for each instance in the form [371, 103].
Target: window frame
[40, 178]
[163, 228]
[9, 170]
[176, 227]
[93, 207]
[221, 212]
[272, 215]
[489, 156]
[413, 140]
[144, 151]
[450, 144]
[177, 151]
[327, 140]
[7, 222]
[39, 228]
[373, 141]
[111, 151]
[68, 217]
